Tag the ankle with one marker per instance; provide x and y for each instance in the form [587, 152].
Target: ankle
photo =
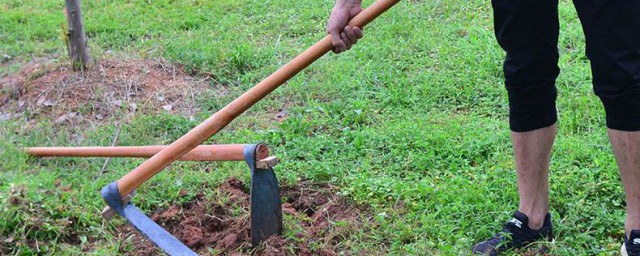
[631, 224]
[536, 224]
[536, 219]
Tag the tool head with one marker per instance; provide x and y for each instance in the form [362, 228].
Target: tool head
[266, 209]
[141, 222]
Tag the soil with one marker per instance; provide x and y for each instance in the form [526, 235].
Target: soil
[210, 225]
[108, 89]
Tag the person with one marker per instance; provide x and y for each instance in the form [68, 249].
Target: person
[527, 30]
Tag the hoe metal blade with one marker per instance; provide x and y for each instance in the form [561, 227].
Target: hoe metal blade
[266, 209]
[141, 222]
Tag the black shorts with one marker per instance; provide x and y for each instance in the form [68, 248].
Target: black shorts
[528, 31]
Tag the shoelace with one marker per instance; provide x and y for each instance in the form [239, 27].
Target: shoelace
[509, 237]
[500, 239]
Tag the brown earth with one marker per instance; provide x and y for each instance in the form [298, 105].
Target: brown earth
[219, 224]
[110, 88]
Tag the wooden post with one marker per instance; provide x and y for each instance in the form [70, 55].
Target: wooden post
[77, 40]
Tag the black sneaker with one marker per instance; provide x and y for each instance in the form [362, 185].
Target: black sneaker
[631, 246]
[515, 234]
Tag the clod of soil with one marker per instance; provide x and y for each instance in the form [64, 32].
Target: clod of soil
[110, 87]
[220, 223]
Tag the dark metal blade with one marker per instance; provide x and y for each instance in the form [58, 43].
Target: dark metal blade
[266, 209]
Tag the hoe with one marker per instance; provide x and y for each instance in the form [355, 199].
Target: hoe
[266, 212]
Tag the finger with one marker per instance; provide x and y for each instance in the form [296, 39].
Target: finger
[338, 49]
[350, 35]
[358, 32]
[346, 40]
[354, 11]
[338, 44]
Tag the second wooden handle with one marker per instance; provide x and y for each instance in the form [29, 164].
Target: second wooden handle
[231, 152]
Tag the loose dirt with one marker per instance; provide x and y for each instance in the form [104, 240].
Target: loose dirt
[111, 88]
[316, 221]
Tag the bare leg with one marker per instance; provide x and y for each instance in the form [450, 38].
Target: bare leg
[532, 150]
[626, 148]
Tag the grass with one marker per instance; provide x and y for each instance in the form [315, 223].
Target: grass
[411, 123]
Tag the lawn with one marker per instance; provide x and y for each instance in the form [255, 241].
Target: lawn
[410, 126]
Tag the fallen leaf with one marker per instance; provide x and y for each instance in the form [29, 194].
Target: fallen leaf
[57, 182]
[99, 116]
[167, 107]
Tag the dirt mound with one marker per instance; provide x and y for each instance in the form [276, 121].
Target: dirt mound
[108, 88]
[220, 223]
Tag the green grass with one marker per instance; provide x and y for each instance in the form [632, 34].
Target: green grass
[411, 123]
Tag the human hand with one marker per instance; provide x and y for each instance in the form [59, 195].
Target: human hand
[343, 37]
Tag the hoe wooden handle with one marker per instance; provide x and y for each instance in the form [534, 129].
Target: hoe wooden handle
[222, 118]
[200, 153]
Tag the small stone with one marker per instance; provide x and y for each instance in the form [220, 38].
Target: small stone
[49, 103]
[41, 100]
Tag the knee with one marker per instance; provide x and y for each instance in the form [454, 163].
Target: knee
[530, 82]
[616, 81]
[532, 108]
[622, 108]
